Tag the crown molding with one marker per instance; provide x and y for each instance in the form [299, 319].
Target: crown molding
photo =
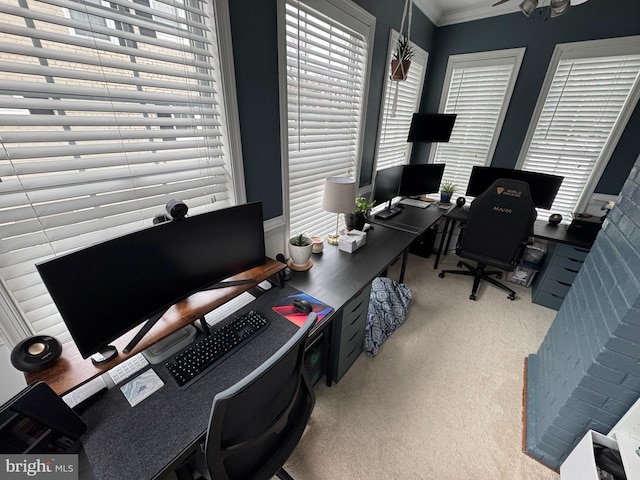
[434, 11]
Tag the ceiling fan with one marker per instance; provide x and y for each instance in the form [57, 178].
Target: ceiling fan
[556, 7]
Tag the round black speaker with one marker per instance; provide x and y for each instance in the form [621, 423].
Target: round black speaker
[460, 201]
[555, 218]
[177, 209]
[37, 353]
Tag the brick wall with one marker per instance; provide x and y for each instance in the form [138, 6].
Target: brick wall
[586, 373]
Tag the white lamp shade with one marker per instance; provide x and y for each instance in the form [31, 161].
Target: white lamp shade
[339, 195]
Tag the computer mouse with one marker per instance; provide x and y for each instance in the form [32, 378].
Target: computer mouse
[302, 306]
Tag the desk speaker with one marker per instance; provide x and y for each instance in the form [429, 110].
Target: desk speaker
[37, 353]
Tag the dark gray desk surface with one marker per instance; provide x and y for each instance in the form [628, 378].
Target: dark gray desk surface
[413, 219]
[152, 438]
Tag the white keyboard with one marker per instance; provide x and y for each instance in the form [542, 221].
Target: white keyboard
[127, 368]
[414, 202]
[223, 311]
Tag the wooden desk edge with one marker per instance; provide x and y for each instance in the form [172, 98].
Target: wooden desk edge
[71, 370]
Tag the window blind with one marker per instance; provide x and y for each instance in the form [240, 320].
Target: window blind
[105, 115]
[400, 101]
[581, 110]
[478, 89]
[326, 64]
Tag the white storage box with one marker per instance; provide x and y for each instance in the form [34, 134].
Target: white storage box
[581, 462]
[352, 240]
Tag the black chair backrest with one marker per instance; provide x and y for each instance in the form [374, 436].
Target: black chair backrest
[257, 423]
[499, 223]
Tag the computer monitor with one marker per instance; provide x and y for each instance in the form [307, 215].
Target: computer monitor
[431, 127]
[387, 184]
[107, 289]
[421, 179]
[543, 186]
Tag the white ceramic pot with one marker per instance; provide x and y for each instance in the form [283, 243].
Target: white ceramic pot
[300, 255]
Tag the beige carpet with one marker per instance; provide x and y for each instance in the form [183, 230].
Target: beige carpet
[443, 398]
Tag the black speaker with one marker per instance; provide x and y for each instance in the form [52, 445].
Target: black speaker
[555, 218]
[460, 201]
[37, 353]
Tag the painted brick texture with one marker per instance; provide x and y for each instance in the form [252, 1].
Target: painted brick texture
[586, 373]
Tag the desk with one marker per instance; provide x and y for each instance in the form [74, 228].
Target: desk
[154, 437]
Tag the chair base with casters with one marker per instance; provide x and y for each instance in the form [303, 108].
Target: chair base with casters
[479, 273]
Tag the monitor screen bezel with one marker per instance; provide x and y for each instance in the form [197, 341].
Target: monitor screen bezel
[78, 273]
[482, 177]
[431, 127]
[389, 180]
[430, 175]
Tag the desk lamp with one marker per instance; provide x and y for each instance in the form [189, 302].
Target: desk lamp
[339, 197]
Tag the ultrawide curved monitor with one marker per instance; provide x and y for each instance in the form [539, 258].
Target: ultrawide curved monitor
[105, 290]
[543, 187]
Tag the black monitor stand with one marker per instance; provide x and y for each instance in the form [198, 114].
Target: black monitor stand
[388, 212]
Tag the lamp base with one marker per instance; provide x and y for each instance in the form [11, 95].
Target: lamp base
[333, 238]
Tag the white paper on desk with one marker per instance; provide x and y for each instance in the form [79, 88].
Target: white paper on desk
[141, 387]
[85, 391]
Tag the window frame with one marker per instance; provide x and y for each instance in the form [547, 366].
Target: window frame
[14, 326]
[513, 56]
[578, 50]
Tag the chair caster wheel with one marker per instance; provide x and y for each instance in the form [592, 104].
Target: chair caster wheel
[472, 297]
[511, 297]
[441, 274]
[459, 265]
[499, 276]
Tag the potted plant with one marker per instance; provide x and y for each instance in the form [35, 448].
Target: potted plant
[401, 59]
[300, 249]
[356, 219]
[446, 190]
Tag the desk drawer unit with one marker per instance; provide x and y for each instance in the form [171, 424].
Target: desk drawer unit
[350, 330]
[559, 271]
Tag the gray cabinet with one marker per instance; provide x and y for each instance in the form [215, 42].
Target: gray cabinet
[349, 332]
[562, 264]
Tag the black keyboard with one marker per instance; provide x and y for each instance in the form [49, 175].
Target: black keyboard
[208, 352]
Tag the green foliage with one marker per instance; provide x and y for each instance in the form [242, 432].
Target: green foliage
[447, 187]
[404, 49]
[300, 240]
[362, 206]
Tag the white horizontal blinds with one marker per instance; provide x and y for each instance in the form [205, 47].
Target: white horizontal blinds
[478, 92]
[401, 99]
[581, 110]
[326, 65]
[107, 111]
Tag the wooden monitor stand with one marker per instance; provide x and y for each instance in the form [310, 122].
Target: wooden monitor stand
[71, 370]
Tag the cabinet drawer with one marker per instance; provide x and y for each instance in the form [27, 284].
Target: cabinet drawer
[563, 269]
[355, 307]
[350, 356]
[551, 285]
[547, 299]
[354, 336]
[572, 252]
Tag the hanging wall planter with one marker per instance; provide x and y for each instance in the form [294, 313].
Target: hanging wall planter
[401, 61]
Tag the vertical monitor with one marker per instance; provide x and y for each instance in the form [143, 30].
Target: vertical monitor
[542, 186]
[105, 290]
[431, 127]
[421, 179]
[387, 184]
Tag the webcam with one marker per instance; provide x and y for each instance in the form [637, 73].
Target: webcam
[176, 209]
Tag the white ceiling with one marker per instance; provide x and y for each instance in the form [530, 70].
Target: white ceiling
[446, 12]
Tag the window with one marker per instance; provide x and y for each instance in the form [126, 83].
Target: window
[478, 87]
[327, 64]
[590, 91]
[87, 18]
[400, 101]
[96, 137]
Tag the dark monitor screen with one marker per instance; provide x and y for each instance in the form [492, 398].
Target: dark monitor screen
[431, 127]
[420, 179]
[543, 187]
[387, 184]
[105, 290]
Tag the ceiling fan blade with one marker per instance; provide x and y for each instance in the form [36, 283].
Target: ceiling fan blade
[499, 2]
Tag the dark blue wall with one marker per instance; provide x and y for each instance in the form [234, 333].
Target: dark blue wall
[595, 19]
[255, 46]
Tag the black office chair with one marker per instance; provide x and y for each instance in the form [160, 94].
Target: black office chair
[256, 424]
[496, 233]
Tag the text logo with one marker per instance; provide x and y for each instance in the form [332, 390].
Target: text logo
[56, 467]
